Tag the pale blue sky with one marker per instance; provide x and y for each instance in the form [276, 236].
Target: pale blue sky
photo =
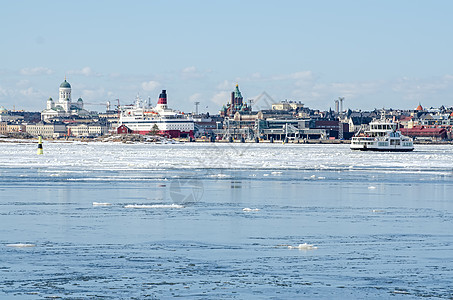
[374, 53]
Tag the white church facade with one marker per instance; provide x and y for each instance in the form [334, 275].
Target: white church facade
[64, 107]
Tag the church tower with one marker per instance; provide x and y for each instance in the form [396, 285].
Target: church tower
[65, 95]
[50, 103]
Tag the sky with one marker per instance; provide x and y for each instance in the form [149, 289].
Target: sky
[375, 53]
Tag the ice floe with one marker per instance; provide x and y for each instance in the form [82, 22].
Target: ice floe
[101, 204]
[21, 245]
[303, 246]
[220, 176]
[250, 209]
[153, 206]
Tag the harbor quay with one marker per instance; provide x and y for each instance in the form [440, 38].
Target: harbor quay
[238, 120]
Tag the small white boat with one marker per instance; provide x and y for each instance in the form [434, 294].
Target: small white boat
[383, 135]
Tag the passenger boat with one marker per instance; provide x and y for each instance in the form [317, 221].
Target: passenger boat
[143, 119]
[382, 135]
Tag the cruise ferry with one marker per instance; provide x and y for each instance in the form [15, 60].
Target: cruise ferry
[143, 119]
[383, 135]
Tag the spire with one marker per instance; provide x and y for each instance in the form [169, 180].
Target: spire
[237, 93]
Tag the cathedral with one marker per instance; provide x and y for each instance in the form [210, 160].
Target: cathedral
[64, 107]
[236, 105]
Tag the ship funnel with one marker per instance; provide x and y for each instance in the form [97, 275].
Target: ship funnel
[163, 97]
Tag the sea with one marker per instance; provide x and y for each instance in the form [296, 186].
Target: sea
[224, 221]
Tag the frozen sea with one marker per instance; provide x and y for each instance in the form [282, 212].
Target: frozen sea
[222, 221]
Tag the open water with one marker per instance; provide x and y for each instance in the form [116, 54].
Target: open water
[222, 221]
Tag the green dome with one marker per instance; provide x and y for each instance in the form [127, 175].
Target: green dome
[65, 84]
[80, 100]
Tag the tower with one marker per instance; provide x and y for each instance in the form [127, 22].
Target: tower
[341, 104]
[50, 103]
[65, 95]
[236, 99]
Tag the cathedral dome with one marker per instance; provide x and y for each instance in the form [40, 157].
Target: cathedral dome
[65, 84]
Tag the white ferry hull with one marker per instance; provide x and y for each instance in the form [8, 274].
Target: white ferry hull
[384, 149]
[180, 128]
[392, 145]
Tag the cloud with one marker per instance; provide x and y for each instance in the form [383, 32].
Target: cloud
[191, 73]
[349, 89]
[195, 97]
[23, 83]
[85, 71]
[3, 92]
[448, 77]
[150, 85]
[28, 92]
[256, 75]
[221, 98]
[262, 101]
[226, 84]
[302, 75]
[94, 94]
[417, 90]
[36, 71]
[189, 70]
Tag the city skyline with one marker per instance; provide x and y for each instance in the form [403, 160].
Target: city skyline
[375, 54]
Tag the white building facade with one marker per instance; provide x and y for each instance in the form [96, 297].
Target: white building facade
[94, 129]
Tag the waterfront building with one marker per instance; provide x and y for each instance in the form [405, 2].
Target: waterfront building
[111, 117]
[64, 107]
[46, 130]
[3, 127]
[425, 133]
[15, 127]
[406, 121]
[123, 129]
[85, 130]
[204, 124]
